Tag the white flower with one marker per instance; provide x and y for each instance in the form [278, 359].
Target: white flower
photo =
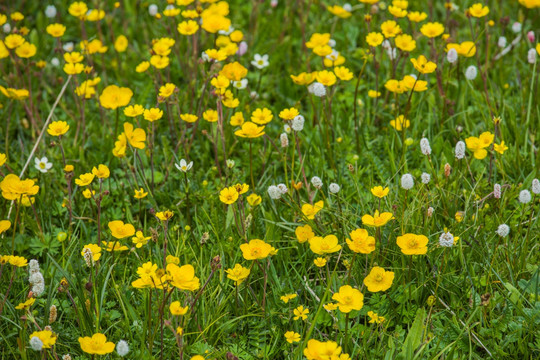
[230, 163]
[535, 186]
[122, 348]
[50, 11]
[66, 357]
[284, 140]
[317, 89]
[471, 72]
[347, 7]
[502, 42]
[516, 27]
[392, 53]
[298, 123]
[226, 32]
[317, 182]
[460, 150]
[497, 191]
[287, 128]
[240, 85]
[68, 47]
[36, 343]
[273, 3]
[253, 95]
[424, 146]
[184, 166]
[33, 266]
[55, 62]
[425, 178]
[334, 188]
[446, 239]
[452, 56]
[503, 230]
[331, 43]
[430, 211]
[531, 56]
[274, 192]
[205, 57]
[152, 9]
[524, 196]
[260, 62]
[407, 181]
[282, 188]
[43, 164]
[6, 28]
[333, 56]
[171, 7]
[386, 45]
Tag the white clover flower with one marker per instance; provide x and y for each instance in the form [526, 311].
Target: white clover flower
[184, 166]
[298, 123]
[424, 146]
[471, 73]
[524, 196]
[284, 140]
[460, 150]
[33, 266]
[50, 11]
[503, 230]
[36, 343]
[230, 163]
[317, 89]
[122, 348]
[38, 283]
[425, 178]
[152, 9]
[497, 191]
[452, 56]
[68, 47]
[446, 239]
[334, 188]
[43, 164]
[240, 85]
[531, 56]
[535, 186]
[6, 28]
[516, 27]
[55, 62]
[317, 182]
[274, 192]
[260, 61]
[502, 42]
[283, 189]
[407, 181]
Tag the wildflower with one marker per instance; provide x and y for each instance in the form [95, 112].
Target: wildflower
[411, 244]
[390, 29]
[152, 114]
[300, 313]
[274, 192]
[188, 27]
[424, 147]
[377, 219]
[422, 65]
[326, 78]
[327, 245]
[432, 29]
[317, 182]
[254, 199]
[379, 279]
[184, 166]
[460, 150]
[310, 211]
[317, 350]
[284, 140]
[165, 215]
[317, 89]
[58, 128]
[260, 62]
[256, 249]
[228, 195]
[407, 181]
[452, 56]
[96, 345]
[425, 178]
[374, 318]
[286, 298]
[94, 250]
[348, 299]
[503, 230]
[122, 348]
[25, 305]
[531, 56]
[43, 164]
[135, 137]
[237, 274]
[46, 337]
[140, 194]
[334, 188]
[50, 11]
[183, 277]
[139, 239]
[55, 30]
[119, 230]
[447, 239]
[416, 16]
[478, 144]
[400, 122]
[190, 118]
[142, 67]
[3, 159]
[471, 72]
[177, 309]
[292, 337]
[405, 42]
[250, 130]
[320, 262]
[304, 233]
[478, 10]
[13, 188]
[361, 242]
[500, 148]
[102, 171]
[113, 97]
[524, 196]
[153, 9]
[379, 191]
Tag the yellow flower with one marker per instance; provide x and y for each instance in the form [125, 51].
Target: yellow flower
[140, 194]
[139, 239]
[361, 242]
[87, 193]
[286, 114]
[300, 312]
[96, 251]
[120, 230]
[374, 39]
[303, 78]
[254, 199]
[13, 188]
[390, 29]
[379, 279]
[210, 115]
[183, 277]
[96, 345]
[400, 122]
[133, 110]
[152, 114]
[167, 90]
[188, 27]
[177, 309]
[377, 219]
[190, 118]
[397, 11]
[304, 233]
[142, 67]
[422, 65]
[159, 62]
[58, 128]
[327, 245]
[411, 244]
[310, 211]
[121, 43]
[73, 57]
[478, 10]
[234, 71]
[395, 86]
[135, 137]
[47, 337]
[317, 350]
[325, 77]
[374, 94]
[73, 69]
[113, 97]
[320, 262]
[3, 159]
[114, 246]
[256, 249]
[411, 83]
[262, 116]
[85, 179]
[348, 299]
[500, 148]
[416, 16]
[56, 30]
[228, 195]
[374, 318]
[330, 306]
[343, 73]
[237, 274]
[95, 15]
[165, 215]
[292, 337]
[466, 48]
[287, 297]
[26, 305]
[432, 29]
[250, 130]
[405, 42]
[26, 50]
[172, 260]
[379, 192]
[102, 171]
[13, 41]
[339, 11]
[4, 225]
[17, 261]
[478, 144]
[78, 9]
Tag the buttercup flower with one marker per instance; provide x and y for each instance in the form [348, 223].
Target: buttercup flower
[324, 245]
[96, 345]
[379, 279]
[348, 299]
[256, 249]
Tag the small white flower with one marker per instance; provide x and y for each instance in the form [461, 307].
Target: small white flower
[260, 62]
[535, 186]
[273, 3]
[50, 11]
[333, 56]
[317, 89]
[502, 42]
[446, 239]
[531, 56]
[253, 95]
[184, 166]
[240, 85]
[226, 32]
[274, 192]
[55, 62]
[230, 163]
[205, 57]
[497, 191]
[287, 128]
[430, 211]
[460, 150]
[43, 164]
[425, 178]
[36, 343]
[122, 348]
[392, 53]
[152, 9]
[386, 44]
[524, 196]
[407, 181]
[298, 123]
[282, 188]
[503, 230]
[33, 266]
[334, 188]
[471, 72]
[6, 28]
[68, 47]
[452, 56]
[317, 182]
[516, 27]
[284, 140]
[171, 7]
[347, 7]
[424, 146]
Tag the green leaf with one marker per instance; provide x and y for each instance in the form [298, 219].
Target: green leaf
[414, 337]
